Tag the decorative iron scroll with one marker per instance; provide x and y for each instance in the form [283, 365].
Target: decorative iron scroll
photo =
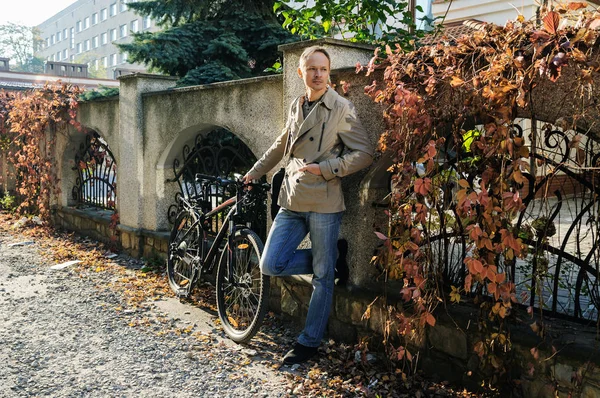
[96, 183]
[218, 153]
[560, 223]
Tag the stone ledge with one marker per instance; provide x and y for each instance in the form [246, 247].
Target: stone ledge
[142, 75]
[320, 42]
[213, 86]
[98, 215]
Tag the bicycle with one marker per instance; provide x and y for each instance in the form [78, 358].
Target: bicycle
[241, 289]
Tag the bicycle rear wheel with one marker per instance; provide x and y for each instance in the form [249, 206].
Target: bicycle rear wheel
[184, 253]
[242, 297]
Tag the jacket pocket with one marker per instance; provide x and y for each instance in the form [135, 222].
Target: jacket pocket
[321, 139]
[311, 189]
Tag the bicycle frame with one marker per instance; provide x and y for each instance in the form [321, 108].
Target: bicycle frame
[229, 226]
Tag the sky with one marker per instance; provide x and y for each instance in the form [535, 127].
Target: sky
[30, 12]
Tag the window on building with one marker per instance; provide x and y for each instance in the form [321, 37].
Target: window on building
[65, 54]
[94, 18]
[103, 14]
[123, 30]
[78, 48]
[53, 58]
[47, 42]
[104, 38]
[113, 9]
[124, 58]
[134, 26]
[58, 56]
[105, 62]
[65, 34]
[58, 36]
[146, 23]
[123, 5]
[72, 38]
[72, 58]
[96, 64]
[86, 45]
[78, 26]
[52, 39]
[113, 59]
[86, 22]
[95, 42]
[113, 34]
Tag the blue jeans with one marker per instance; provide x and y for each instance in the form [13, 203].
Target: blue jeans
[282, 257]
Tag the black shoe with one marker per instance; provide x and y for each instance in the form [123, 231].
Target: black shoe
[341, 266]
[300, 353]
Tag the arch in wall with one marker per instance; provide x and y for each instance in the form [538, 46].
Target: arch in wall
[210, 150]
[88, 170]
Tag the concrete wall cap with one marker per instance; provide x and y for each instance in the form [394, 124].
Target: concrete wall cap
[320, 42]
[100, 99]
[138, 75]
[212, 86]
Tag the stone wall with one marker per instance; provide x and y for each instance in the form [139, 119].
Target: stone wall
[568, 363]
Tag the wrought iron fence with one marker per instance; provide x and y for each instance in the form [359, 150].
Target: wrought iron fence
[96, 184]
[218, 153]
[560, 224]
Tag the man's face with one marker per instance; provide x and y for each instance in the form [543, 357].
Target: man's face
[316, 72]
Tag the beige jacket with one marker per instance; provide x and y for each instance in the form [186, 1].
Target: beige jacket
[331, 136]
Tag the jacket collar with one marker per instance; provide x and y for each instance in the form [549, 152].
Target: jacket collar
[328, 100]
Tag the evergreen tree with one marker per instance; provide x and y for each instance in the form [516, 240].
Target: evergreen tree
[205, 41]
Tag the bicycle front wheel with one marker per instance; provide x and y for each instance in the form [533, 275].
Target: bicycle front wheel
[242, 297]
[184, 253]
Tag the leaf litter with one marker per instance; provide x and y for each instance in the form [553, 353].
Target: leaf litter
[334, 373]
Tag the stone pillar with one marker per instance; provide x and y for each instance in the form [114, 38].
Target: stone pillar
[132, 170]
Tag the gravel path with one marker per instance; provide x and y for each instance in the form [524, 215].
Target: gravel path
[61, 336]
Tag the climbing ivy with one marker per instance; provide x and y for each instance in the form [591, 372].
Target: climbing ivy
[431, 96]
[29, 124]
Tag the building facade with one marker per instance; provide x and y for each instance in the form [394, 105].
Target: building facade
[86, 33]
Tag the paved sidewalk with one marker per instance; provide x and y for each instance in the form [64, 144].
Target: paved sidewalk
[65, 334]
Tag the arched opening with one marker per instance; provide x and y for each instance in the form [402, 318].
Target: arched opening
[218, 152]
[96, 182]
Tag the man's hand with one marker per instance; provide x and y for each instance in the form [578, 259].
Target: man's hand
[312, 168]
[247, 179]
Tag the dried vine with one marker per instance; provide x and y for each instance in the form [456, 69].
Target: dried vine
[433, 98]
[29, 123]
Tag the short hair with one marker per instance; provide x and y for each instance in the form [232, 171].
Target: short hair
[310, 51]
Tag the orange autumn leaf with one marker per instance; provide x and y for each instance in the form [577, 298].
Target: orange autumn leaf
[574, 6]
[551, 22]
[430, 319]
[422, 186]
[456, 81]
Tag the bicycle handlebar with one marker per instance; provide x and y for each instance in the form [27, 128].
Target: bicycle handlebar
[224, 181]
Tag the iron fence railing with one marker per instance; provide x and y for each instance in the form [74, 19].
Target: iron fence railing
[96, 183]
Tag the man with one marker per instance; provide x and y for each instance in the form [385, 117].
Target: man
[323, 141]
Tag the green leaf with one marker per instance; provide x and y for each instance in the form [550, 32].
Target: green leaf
[326, 26]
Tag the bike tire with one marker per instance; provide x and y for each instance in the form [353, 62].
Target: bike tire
[183, 253]
[242, 308]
